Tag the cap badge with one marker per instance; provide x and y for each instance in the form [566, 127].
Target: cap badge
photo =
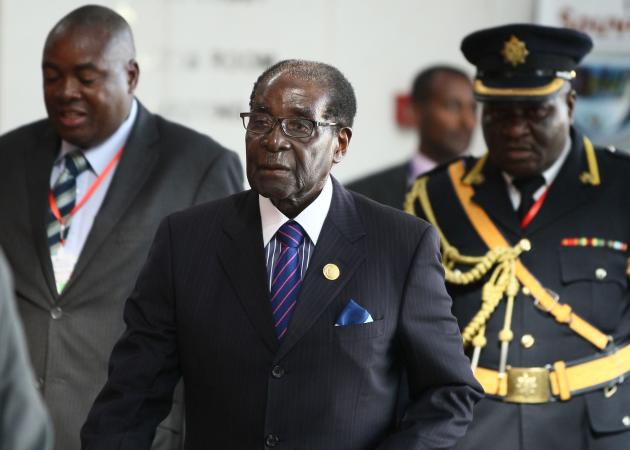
[514, 51]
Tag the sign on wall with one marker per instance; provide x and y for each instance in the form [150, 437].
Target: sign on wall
[603, 79]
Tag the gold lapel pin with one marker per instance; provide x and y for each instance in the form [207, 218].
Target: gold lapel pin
[331, 271]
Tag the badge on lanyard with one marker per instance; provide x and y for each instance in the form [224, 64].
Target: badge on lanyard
[63, 262]
[52, 202]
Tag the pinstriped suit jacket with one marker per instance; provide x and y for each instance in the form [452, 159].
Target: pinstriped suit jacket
[201, 311]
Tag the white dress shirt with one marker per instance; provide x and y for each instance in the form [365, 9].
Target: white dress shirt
[311, 219]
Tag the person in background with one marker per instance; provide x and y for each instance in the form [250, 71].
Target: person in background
[290, 309]
[24, 424]
[83, 192]
[535, 241]
[444, 114]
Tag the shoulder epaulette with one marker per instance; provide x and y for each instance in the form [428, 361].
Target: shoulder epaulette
[474, 169]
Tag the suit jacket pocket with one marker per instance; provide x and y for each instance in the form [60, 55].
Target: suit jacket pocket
[595, 265]
[609, 415]
[596, 284]
[360, 331]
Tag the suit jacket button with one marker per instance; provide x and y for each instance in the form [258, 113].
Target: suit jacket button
[56, 313]
[277, 372]
[626, 421]
[272, 440]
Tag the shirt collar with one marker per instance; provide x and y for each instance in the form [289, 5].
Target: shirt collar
[100, 155]
[311, 219]
[419, 164]
[552, 172]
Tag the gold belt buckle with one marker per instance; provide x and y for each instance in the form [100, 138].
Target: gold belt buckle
[528, 385]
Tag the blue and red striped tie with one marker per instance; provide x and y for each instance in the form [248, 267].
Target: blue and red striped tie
[287, 280]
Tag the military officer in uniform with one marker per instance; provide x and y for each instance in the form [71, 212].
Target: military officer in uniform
[535, 246]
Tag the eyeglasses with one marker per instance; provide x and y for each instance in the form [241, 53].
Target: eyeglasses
[296, 127]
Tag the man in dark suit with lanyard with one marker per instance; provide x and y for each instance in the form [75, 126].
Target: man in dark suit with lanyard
[291, 309]
[82, 194]
[535, 242]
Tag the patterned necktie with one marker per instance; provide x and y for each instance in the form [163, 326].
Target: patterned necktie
[65, 193]
[527, 187]
[286, 282]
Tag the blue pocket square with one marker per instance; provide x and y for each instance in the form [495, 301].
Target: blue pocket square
[353, 314]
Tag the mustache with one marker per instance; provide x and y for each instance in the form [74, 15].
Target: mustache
[520, 145]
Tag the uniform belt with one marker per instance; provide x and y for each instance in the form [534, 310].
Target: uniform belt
[559, 381]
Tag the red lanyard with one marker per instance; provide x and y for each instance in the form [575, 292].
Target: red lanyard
[534, 209]
[95, 184]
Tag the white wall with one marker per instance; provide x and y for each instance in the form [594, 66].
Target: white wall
[199, 58]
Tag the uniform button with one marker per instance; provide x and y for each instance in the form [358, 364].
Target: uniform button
[528, 341]
[277, 372]
[626, 421]
[525, 244]
[56, 313]
[600, 273]
[271, 440]
[526, 290]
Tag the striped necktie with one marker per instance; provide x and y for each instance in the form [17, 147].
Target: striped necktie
[286, 282]
[65, 192]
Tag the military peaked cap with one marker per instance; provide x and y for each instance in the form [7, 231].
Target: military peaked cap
[523, 61]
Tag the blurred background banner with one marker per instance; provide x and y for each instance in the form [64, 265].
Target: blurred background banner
[603, 80]
[199, 58]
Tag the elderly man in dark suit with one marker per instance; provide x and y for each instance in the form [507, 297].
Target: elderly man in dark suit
[83, 192]
[291, 309]
[24, 424]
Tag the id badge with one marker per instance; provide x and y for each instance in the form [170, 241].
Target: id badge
[63, 264]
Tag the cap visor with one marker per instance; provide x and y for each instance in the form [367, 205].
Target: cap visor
[489, 93]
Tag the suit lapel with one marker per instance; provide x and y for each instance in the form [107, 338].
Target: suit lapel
[137, 161]
[492, 196]
[244, 262]
[38, 165]
[339, 243]
[243, 259]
